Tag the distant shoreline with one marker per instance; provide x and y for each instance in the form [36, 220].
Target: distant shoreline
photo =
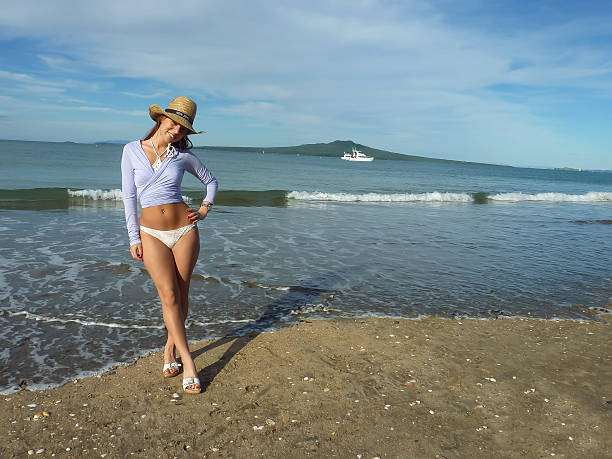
[336, 149]
[331, 150]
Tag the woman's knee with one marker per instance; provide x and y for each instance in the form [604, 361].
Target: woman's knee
[170, 297]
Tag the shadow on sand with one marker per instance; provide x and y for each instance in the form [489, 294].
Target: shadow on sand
[292, 300]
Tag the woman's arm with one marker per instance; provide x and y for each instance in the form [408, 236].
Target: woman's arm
[130, 203]
[195, 167]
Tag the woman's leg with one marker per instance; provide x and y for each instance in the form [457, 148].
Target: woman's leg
[160, 264]
[185, 254]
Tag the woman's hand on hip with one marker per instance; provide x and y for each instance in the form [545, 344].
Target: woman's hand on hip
[196, 215]
[136, 251]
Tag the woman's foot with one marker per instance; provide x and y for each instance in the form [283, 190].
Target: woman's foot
[171, 369]
[171, 366]
[191, 385]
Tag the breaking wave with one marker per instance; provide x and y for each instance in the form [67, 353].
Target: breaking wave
[479, 198]
[592, 196]
[378, 197]
[62, 198]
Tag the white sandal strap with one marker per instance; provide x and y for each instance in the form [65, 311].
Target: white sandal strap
[190, 382]
[169, 366]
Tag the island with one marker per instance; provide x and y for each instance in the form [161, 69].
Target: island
[332, 149]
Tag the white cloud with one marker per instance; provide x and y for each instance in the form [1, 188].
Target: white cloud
[150, 96]
[58, 63]
[85, 108]
[18, 77]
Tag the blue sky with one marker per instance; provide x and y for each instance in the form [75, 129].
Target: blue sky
[526, 83]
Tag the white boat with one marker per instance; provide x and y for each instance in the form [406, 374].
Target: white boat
[356, 155]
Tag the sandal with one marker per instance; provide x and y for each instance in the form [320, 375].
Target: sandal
[171, 369]
[192, 385]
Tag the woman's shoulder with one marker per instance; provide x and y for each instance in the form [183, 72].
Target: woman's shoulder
[132, 146]
[185, 153]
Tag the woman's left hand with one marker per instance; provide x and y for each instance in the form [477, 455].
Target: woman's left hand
[196, 215]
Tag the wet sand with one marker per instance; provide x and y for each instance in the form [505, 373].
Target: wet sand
[364, 388]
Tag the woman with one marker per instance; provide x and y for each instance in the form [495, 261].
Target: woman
[167, 239]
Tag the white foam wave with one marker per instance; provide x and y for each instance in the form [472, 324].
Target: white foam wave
[436, 196]
[593, 196]
[97, 195]
[105, 195]
[380, 197]
[313, 309]
[87, 323]
[267, 287]
[199, 323]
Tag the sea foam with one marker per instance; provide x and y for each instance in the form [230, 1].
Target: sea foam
[380, 197]
[104, 195]
[87, 323]
[591, 196]
[436, 196]
[112, 195]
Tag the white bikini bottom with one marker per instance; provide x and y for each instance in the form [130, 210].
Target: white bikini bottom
[169, 237]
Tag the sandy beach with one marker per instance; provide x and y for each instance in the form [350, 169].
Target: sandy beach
[364, 388]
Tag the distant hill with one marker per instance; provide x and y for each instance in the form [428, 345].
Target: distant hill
[333, 149]
[121, 142]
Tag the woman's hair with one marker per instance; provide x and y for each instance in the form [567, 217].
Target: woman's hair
[183, 144]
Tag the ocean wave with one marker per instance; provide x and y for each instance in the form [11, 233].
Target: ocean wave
[110, 195]
[87, 323]
[592, 196]
[314, 309]
[106, 195]
[63, 198]
[189, 322]
[380, 197]
[433, 197]
[58, 198]
[252, 284]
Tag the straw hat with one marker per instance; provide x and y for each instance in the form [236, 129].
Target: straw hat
[181, 110]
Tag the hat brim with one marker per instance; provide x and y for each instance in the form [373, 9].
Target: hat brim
[155, 111]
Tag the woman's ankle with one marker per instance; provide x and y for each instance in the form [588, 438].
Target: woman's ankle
[169, 352]
[190, 370]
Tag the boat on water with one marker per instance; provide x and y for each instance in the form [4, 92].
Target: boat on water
[356, 155]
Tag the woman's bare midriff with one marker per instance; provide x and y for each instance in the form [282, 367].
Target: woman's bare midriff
[165, 217]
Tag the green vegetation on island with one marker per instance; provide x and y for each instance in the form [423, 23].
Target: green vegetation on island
[333, 149]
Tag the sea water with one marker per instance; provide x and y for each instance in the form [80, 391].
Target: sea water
[290, 237]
